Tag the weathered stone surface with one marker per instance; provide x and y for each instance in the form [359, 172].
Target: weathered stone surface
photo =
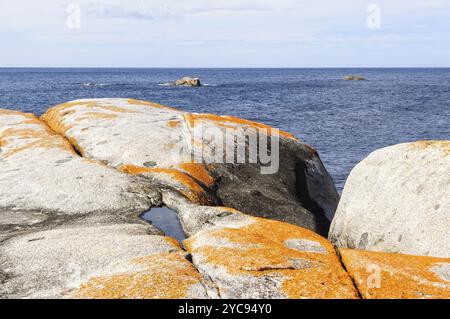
[397, 200]
[248, 257]
[118, 261]
[145, 138]
[163, 276]
[386, 275]
[70, 226]
[41, 173]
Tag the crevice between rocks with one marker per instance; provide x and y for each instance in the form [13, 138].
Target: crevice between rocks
[302, 190]
[338, 254]
[76, 150]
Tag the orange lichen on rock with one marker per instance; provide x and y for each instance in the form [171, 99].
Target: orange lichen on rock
[114, 108]
[36, 135]
[61, 110]
[55, 120]
[55, 117]
[98, 104]
[13, 112]
[199, 172]
[191, 189]
[23, 133]
[396, 276]
[152, 104]
[232, 122]
[96, 115]
[443, 146]
[162, 276]
[43, 143]
[173, 123]
[260, 249]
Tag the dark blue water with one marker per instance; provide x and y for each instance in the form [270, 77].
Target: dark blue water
[167, 221]
[344, 121]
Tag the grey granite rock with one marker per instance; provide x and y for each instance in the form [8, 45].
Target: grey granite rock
[136, 134]
[397, 200]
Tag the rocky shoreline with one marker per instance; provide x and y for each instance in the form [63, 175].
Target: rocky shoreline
[75, 182]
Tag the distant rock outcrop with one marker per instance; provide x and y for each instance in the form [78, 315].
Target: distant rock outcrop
[354, 78]
[187, 81]
[397, 200]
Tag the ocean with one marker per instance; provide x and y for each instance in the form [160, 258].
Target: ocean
[344, 120]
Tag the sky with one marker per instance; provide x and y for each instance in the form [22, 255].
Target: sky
[231, 33]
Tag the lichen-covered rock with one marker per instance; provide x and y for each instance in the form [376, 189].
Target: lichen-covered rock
[159, 276]
[69, 225]
[162, 143]
[397, 276]
[40, 173]
[118, 261]
[397, 200]
[249, 257]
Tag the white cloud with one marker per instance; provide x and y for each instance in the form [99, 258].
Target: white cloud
[204, 29]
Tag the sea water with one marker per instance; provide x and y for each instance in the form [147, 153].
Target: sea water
[344, 120]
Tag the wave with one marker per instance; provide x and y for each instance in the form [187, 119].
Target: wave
[173, 84]
[91, 84]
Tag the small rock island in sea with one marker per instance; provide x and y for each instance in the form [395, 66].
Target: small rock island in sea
[75, 182]
[354, 78]
[185, 81]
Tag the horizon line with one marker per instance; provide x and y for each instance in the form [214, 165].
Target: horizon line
[230, 67]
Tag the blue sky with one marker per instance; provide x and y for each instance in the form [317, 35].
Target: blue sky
[232, 33]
